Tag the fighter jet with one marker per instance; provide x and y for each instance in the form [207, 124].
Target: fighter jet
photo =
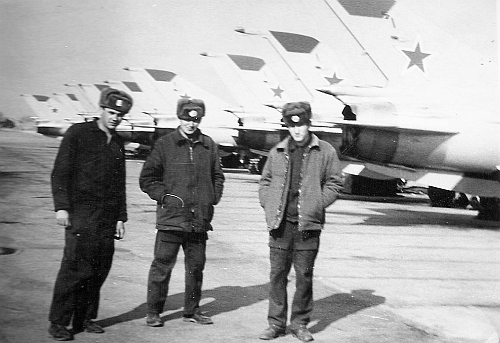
[420, 93]
[258, 89]
[51, 118]
[54, 115]
[71, 103]
[169, 86]
[145, 109]
[252, 84]
[166, 87]
[90, 109]
[130, 128]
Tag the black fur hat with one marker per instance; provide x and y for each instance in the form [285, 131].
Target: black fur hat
[189, 109]
[116, 99]
[296, 113]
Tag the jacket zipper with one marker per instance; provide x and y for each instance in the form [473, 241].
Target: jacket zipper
[282, 205]
[191, 158]
[300, 189]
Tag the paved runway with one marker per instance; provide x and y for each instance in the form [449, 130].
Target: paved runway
[387, 271]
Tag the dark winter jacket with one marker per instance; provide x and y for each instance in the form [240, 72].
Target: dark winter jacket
[186, 181]
[89, 171]
[320, 184]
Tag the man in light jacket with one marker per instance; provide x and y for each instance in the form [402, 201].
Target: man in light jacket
[300, 179]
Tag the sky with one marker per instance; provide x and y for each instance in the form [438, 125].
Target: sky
[45, 44]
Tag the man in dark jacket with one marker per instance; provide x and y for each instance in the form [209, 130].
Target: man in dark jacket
[88, 187]
[183, 175]
[300, 179]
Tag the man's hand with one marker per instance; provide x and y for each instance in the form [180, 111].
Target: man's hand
[120, 230]
[62, 217]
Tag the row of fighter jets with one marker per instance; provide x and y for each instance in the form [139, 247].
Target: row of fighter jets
[398, 103]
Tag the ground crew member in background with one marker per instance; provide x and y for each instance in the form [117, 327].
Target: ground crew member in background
[300, 179]
[184, 176]
[88, 187]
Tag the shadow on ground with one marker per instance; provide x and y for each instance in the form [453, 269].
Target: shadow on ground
[231, 298]
[340, 305]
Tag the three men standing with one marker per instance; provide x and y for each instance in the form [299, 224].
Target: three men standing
[300, 179]
[183, 175]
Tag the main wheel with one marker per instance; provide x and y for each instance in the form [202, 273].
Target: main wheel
[440, 197]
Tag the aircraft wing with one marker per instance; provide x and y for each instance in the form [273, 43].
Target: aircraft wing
[160, 124]
[457, 181]
[444, 128]
[259, 128]
[260, 152]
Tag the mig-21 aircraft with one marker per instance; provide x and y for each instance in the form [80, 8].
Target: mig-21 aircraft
[420, 92]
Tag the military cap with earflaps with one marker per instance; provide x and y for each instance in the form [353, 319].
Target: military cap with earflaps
[116, 99]
[189, 109]
[296, 113]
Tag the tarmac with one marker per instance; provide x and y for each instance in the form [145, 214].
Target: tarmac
[389, 269]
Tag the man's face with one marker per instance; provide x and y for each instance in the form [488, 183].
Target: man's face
[300, 134]
[189, 126]
[111, 118]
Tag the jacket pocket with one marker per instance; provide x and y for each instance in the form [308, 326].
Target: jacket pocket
[172, 201]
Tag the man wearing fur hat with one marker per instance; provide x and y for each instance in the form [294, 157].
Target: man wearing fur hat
[88, 187]
[184, 176]
[300, 179]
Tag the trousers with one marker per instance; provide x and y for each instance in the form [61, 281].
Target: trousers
[87, 259]
[167, 246]
[298, 248]
[86, 264]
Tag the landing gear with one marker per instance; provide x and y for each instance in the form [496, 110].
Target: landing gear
[360, 185]
[256, 165]
[231, 161]
[440, 197]
[489, 209]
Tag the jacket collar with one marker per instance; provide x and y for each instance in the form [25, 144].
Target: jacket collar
[180, 139]
[284, 144]
[95, 127]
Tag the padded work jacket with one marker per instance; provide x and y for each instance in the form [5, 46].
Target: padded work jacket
[320, 184]
[186, 181]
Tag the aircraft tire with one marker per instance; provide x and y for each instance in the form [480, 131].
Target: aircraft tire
[360, 185]
[440, 197]
[489, 209]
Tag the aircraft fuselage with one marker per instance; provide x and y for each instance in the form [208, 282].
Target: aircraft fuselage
[474, 151]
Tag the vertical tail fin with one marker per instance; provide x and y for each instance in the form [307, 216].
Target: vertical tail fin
[142, 109]
[172, 87]
[90, 108]
[69, 110]
[38, 104]
[302, 64]
[76, 103]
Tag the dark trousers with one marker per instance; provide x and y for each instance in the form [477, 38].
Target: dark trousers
[167, 247]
[292, 247]
[87, 258]
[86, 264]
